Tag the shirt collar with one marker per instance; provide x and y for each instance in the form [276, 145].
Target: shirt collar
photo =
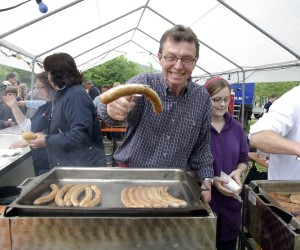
[167, 90]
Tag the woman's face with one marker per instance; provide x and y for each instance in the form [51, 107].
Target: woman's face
[43, 90]
[220, 102]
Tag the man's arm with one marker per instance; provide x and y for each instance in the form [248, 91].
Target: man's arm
[270, 142]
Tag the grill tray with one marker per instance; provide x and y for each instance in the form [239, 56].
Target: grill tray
[111, 181]
[263, 189]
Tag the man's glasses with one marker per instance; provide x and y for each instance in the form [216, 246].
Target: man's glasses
[220, 100]
[184, 60]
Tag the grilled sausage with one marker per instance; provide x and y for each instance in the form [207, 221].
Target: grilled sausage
[130, 89]
[157, 198]
[75, 195]
[125, 198]
[152, 201]
[59, 195]
[47, 198]
[88, 196]
[133, 199]
[97, 198]
[67, 197]
[163, 199]
[142, 199]
[172, 200]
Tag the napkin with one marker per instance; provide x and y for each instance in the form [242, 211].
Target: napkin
[10, 152]
[231, 185]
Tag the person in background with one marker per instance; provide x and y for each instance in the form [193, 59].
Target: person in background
[22, 91]
[116, 84]
[272, 98]
[91, 89]
[31, 107]
[6, 116]
[11, 79]
[179, 137]
[37, 124]
[105, 87]
[74, 137]
[278, 133]
[230, 152]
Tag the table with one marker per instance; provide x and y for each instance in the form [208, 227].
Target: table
[255, 158]
[114, 129]
[2, 208]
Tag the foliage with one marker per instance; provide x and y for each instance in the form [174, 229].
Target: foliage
[23, 75]
[116, 70]
[263, 90]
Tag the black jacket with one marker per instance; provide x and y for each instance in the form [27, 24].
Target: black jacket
[74, 136]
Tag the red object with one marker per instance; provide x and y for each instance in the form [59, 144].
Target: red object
[231, 103]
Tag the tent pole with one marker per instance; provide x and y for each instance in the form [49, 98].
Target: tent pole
[32, 78]
[38, 19]
[243, 99]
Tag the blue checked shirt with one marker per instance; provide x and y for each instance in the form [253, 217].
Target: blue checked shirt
[179, 137]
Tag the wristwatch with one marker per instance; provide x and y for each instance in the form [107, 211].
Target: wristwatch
[209, 179]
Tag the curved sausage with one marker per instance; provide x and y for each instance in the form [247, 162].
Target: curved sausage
[125, 199]
[97, 198]
[147, 196]
[59, 195]
[172, 200]
[142, 199]
[132, 197]
[88, 196]
[67, 197]
[75, 195]
[162, 199]
[130, 89]
[47, 198]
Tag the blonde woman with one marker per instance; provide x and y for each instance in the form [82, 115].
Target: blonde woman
[22, 91]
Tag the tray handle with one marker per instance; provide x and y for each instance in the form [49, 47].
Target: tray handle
[25, 182]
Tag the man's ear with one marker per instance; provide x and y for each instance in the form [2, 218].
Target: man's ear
[159, 56]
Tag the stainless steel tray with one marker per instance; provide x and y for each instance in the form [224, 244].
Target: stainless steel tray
[111, 181]
[261, 192]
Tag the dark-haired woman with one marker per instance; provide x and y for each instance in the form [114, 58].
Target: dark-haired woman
[74, 137]
[37, 124]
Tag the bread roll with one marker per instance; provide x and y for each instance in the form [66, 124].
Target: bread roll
[28, 136]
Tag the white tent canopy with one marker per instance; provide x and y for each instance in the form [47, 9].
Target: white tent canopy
[249, 40]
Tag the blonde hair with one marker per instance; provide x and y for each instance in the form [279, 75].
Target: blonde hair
[22, 90]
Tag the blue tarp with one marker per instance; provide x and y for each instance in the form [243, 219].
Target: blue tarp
[249, 93]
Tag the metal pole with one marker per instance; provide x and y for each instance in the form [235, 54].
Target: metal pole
[38, 19]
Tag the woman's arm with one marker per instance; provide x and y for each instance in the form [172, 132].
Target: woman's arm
[12, 103]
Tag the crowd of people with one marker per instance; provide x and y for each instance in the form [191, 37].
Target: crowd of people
[194, 132]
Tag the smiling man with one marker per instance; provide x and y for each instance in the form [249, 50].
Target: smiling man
[179, 137]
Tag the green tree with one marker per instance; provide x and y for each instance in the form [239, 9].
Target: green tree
[23, 75]
[119, 69]
[263, 90]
